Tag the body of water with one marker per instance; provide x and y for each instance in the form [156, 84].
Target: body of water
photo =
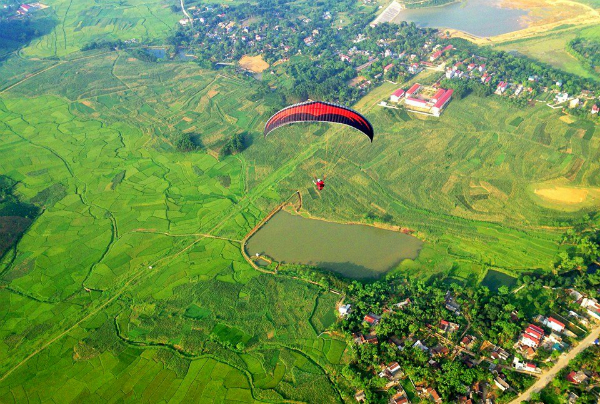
[494, 279]
[478, 17]
[159, 53]
[355, 251]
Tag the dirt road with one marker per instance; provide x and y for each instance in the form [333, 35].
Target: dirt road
[563, 361]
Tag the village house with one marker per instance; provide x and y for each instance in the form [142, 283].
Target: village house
[388, 67]
[499, 353]
[448, 326]
[372, 319]
[399, 398]
[574, 103]
[435, 55]
[344, 310]
[421, 346]
[403, 303]
[450, 303]
[519, 90]
[501, 384]
[360, 396]
[577, 377]
[397, 95]
[595, 109]
[433, 395]
[532, 336]
[391, 371]
[592, 306]
[561, 97]
[414, 68]
[525, 367]
[554, 324]
[501, 88]
[440, 350]
[468, 341]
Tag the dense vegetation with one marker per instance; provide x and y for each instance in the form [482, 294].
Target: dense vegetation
[587, 50]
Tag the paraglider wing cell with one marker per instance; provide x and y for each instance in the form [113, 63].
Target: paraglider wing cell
[317, 111]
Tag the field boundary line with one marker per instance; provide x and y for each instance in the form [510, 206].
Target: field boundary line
[60, 63]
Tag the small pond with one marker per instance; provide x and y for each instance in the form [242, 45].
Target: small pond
[494, 279]
[355, 251]
[159, 53]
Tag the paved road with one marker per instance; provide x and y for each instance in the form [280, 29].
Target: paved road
[563, 361]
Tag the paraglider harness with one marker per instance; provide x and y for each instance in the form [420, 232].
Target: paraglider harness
[320, 184]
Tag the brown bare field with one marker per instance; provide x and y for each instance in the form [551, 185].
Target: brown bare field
[255, 64]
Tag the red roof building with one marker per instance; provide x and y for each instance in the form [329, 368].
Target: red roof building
[448, 47]
[388, 67]
[414, 89]
[435, 55]
[595, 109]
[372, 319]
[554, 324]
[444, 98]
[397, 95]
[532, 336]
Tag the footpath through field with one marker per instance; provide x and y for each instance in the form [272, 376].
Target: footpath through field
[563, 361]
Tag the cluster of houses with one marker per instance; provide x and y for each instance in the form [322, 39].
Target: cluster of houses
[591, 306]
[472, 71]
[419, 101]
[544, 331]
[25, 9]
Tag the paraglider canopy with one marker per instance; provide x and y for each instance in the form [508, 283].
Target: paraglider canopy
[318, 111]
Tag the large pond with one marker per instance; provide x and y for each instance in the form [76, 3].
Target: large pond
[478, 17]
[355, 251]
[494, 279]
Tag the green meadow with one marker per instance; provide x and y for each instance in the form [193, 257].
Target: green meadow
[131, 284]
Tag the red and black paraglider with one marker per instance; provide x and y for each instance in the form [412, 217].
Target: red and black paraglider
[318, 111]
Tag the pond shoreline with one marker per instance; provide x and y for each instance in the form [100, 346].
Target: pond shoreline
[358, 251]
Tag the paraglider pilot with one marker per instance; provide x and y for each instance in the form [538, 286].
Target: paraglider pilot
[320, 184]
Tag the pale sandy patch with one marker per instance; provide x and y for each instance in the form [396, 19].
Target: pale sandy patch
[563, 194]
[255, 64]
